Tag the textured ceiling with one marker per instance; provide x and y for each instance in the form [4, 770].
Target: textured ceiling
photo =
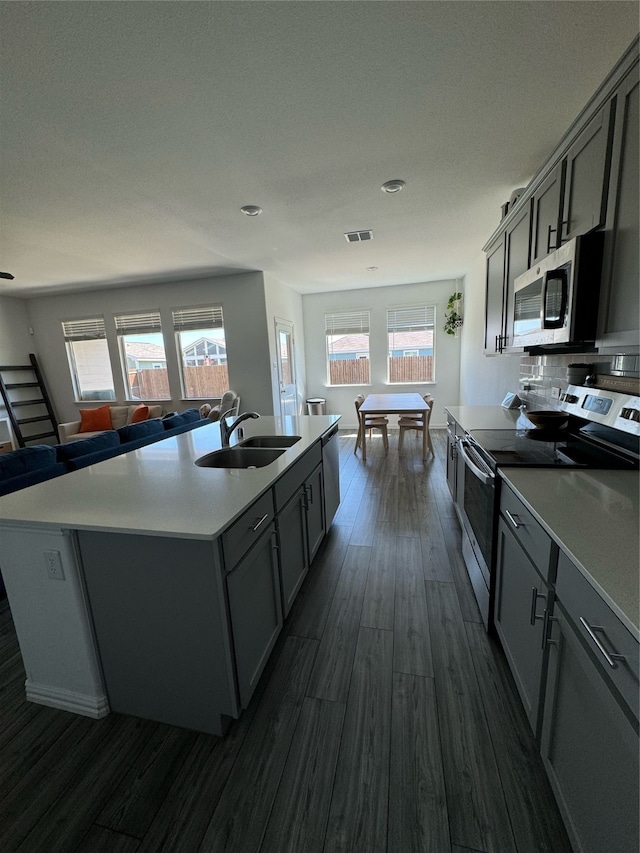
[132, 133]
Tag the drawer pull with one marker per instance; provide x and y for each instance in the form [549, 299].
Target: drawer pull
[259, 522]
[534, 601]
[515, 520]
[591, 631]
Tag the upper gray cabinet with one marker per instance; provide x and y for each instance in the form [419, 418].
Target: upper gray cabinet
[546, 215]
[590, 182]
[585, 185]
[506, 260]
[619, 303]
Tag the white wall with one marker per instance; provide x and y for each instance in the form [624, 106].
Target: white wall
[377, 299]
[15, 341]
[282, 303]
[484, 380]
[243, 301]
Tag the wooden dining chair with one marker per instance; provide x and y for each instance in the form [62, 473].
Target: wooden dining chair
[413, 421]
[370, 422]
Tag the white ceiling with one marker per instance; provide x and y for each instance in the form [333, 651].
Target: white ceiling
[133, 132]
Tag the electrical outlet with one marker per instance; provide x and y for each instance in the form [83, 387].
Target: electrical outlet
[555, 392]
[53, 564]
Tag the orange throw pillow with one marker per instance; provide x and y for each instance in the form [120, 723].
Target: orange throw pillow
[140, 413]
[92, 420]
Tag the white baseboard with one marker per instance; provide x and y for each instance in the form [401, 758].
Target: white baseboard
[95, 707]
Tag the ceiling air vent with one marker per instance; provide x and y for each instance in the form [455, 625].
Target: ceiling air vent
[358, 236]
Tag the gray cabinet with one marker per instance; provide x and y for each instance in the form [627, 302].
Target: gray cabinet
[619, 303]
[517, 255]
[589, 183]
[507, 259]
[546, 216]
[494, 304]
[589, 748]
[521, 598]
[292, 547]
[255, 612]
[314, 492]
[586, 177]
[299, 501]
[452, 464]
[524, 599]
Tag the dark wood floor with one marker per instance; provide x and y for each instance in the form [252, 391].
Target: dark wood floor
[387, 721]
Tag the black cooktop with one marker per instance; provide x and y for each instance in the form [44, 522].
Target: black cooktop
[549, 449]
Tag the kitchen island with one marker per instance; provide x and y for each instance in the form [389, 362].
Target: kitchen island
[149, 585]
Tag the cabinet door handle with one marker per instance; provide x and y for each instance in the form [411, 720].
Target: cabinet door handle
[591, 631]
[259, 522]
[545, 629]
[551, 231]
[514, 519]
[534, 601]
[310, 494]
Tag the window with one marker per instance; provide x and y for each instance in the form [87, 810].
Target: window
[88, 355]
[201, 342]
[348, 348]
[143, 357]
[410, 334]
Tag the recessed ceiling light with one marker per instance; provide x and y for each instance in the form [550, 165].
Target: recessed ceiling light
[371, 269]
[392, 186]
[251, 210]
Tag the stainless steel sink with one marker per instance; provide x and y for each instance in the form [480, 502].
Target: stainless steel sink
[240, 457]
[270, 441]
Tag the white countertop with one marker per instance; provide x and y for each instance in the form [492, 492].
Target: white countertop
[594, 518]
[158, 490]
[484, 417]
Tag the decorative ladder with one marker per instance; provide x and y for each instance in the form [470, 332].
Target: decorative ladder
[13, 394]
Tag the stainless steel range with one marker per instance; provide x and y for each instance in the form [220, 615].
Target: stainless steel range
[603, 431]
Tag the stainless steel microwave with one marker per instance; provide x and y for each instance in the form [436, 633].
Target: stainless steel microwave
[556, 302]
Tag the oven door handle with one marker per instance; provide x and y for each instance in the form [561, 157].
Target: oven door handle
[485, 476]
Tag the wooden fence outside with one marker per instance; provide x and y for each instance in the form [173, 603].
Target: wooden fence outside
[411, 368]
[204, 382]
[356, 371]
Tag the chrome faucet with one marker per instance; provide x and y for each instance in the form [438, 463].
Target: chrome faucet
[226, 430]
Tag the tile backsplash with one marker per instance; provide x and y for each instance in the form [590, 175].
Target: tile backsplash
[542, 375]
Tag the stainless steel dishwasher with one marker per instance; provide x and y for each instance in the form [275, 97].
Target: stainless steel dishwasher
[331, 465]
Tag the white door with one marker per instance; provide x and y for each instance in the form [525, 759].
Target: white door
[286, 368]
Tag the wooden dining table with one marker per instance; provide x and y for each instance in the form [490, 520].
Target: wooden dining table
[395, 404]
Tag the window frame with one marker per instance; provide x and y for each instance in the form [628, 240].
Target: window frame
[146, 322]
[199, 318]
[411, 318]
[348, 322]
[86, 329]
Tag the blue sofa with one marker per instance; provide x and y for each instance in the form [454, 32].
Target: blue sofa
[31, 465]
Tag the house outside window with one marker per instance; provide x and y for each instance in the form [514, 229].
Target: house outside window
[201, 342]
[347, 334]
[88, 356]
[143, 355]
[410, 332]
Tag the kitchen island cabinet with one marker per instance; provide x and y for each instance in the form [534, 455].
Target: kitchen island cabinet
[170, 566]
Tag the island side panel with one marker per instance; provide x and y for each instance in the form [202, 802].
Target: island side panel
[51, 618]
[161, 625]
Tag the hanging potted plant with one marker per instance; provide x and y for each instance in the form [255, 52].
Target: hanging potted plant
[453, 315]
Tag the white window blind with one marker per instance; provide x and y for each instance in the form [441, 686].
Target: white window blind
[89, 329]
[140, 323]
[347, 323]
[193, 319]
[415, 319]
